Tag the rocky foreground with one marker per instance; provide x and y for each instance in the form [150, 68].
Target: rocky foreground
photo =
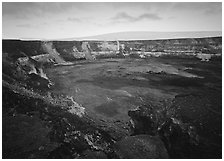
[39, 123]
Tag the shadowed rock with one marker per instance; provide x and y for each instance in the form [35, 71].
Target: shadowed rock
[141, 147]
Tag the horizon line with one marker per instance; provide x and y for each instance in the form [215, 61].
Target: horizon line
[83, 37]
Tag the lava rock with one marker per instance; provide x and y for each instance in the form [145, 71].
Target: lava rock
[143, 120]
[141, 147]
[38, 82]
[88, 154]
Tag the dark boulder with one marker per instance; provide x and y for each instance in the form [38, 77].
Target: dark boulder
[181, 139]
[38, 82]
[143, 120]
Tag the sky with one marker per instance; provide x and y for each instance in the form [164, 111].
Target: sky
[55, 20]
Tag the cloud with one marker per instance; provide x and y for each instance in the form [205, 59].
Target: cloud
[149, 17]
[73, 19]
[205, 7]
[214, 8]
[23, 10]
[124, 17]
[25, 25]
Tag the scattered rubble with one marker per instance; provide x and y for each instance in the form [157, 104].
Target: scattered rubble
[75, 108]
[204, 57]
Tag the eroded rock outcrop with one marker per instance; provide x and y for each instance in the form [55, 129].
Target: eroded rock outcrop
[181, 139]
[34, 71]
[87, 51]
[204, 57]
[53, 54]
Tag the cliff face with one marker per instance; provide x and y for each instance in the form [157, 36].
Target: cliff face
[69, 49]
[210, 45]
[62, 52]
[14, 48]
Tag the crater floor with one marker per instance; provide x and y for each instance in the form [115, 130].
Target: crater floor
[109, 88]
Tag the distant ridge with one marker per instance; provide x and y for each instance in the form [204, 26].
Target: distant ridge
[134, 35]
[146, 35]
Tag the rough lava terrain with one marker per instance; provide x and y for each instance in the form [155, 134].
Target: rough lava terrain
[144, 99]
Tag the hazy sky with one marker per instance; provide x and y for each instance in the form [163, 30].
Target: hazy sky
[66, 20]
